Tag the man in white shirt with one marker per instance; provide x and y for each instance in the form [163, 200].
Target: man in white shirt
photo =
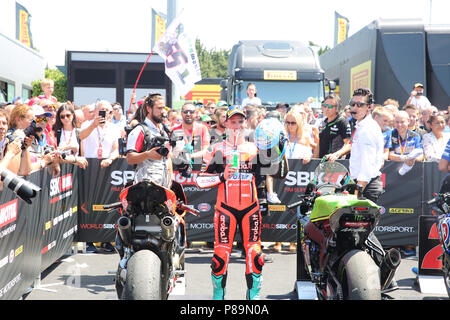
[252, 98]
[417, 98]
[367, 149]
[366, 161]
[99, 137]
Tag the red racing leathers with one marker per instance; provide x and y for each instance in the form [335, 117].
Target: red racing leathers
[237, 204]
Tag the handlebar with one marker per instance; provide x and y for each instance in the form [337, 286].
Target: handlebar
[184, 207]
[112, 206]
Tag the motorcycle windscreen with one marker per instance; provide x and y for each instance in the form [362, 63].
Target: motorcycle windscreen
[147, 196]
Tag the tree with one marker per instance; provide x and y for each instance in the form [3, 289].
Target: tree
[60, 84]
[213, 63]
[321, 49]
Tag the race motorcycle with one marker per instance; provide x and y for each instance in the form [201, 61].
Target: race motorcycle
[336, 256]
[151, 240]
[440, 205]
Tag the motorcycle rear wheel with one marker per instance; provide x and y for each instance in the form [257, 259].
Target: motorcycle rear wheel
[359, 276]
[143, 277]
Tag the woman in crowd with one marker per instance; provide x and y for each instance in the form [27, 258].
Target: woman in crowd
[435, 141]
[67, 134]
[11, 150]
[299, 147]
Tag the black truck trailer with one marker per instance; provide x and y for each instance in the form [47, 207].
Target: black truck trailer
[389, 56]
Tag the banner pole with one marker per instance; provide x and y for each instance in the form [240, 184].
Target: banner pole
[137, 80]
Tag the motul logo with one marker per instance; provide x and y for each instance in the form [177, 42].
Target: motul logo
[8, 212]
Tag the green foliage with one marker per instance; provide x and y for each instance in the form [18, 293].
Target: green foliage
[60, 84]
[321, 49]
[213, 63]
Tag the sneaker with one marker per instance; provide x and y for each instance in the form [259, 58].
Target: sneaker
[293, 247]
[106, 246]
[91, 249]
[277, 247]
[273, 198]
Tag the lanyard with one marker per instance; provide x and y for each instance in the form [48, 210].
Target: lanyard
[291, 149]
[100, 139]
[70, 138]
[402, 148]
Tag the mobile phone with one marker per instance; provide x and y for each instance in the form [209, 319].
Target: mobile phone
[102, 113]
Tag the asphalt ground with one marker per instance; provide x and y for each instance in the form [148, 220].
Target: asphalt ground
[90, 276]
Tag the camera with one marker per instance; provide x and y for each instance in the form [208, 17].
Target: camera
[33, 130]
[62, 153]
[24, 189]
[159, 142]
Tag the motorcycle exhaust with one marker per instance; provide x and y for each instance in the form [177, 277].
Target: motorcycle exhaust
[390, 263]
[168, 228]
[124, 228]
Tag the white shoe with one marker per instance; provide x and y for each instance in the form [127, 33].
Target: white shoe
[273, 198]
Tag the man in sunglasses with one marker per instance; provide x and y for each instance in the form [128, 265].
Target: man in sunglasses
[41, 117]
[335, 131]
[192, 137]
[366, 161]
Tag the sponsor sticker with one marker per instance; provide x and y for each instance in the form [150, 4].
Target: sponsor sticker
[401, 210]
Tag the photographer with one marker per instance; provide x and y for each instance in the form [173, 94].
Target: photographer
[152, 162]
[99, 136]
[12, 156]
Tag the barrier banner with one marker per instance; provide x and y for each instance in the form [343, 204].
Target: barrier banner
[13, 229]
[59, 208]
[432, 180]
[100, 186]
[401, 205]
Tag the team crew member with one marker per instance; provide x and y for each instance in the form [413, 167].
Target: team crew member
[232, 165]
[335, 132]
[150, 164]
[366, 161]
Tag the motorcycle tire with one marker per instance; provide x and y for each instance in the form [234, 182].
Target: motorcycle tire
[359, 276]
[447, 273]
[143, 277]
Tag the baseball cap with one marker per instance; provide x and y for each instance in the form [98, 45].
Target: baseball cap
[222, 103]
[236, 109]
[418, 85]
[206, 118]
[39, 111]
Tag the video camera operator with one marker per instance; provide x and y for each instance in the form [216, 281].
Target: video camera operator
[152, 161]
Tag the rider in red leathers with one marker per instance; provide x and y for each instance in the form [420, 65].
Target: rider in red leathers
[234, 166]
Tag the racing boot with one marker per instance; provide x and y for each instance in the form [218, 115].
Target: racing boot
[219, 283]
[254, 284]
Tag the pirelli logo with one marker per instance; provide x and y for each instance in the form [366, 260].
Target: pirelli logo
[401, 210]
[277, 207]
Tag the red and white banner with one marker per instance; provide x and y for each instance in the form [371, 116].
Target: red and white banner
[177, 48]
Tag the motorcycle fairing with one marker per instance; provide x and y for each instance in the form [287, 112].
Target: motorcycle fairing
[325, 206]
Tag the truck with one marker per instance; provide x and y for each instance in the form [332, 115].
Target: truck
[283, 71]
[389, 56]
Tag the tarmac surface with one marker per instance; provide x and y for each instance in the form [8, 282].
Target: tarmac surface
[90, 276]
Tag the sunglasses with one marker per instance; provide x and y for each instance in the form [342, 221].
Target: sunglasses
[291, 123]
[188, 111]
[329, 106]
[63, 116]
[358, 104]
[51, 106]
[39, 120]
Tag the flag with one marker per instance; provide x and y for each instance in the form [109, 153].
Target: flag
[341, 25]
[177, 48]
[158, 26]
[23, 31]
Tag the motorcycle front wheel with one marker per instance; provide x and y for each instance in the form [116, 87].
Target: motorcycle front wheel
[143, 280]
[359, 276]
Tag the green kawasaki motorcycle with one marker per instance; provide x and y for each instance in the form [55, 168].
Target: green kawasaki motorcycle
[337, 256]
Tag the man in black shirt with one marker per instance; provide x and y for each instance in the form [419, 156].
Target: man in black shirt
[335, 132]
